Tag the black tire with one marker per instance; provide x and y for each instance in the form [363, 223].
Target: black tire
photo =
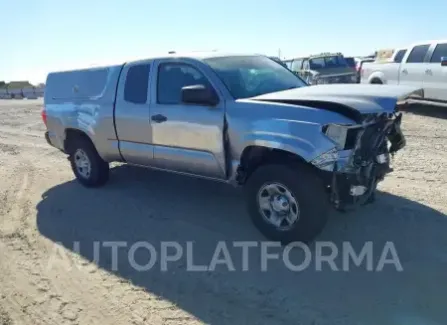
[309, 192]
[376, 81]
[99, 170]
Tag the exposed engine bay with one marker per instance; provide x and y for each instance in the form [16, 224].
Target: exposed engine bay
[376, 140]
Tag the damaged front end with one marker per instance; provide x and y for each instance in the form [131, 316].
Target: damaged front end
[361, 158]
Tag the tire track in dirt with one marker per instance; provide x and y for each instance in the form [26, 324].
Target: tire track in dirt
[15, 203]
[5, 319]
[31, 293]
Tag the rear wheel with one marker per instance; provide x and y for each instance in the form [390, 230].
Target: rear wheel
[89, 168]
[376, 81]
[287, 202]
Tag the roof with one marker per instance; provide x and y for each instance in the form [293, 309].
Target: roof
[198, 55]
[426, 42]
[320, 55]
[190, 55]
[326, 54]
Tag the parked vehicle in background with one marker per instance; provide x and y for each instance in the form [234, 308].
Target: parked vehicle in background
[3, 94]
[324, 68]
[239, 119]
[288, 63]
[350, 61]
[359, 61]
[423, 65]
[380, 71]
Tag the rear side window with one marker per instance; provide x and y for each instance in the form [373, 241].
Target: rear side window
[439, 52]
[418, 53]
[399, 56]
[137, 81]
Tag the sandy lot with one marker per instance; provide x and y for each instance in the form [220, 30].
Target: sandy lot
[43, 211]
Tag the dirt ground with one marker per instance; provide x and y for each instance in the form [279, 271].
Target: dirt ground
[43, 211]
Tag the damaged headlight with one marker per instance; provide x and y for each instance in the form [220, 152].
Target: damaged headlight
[344, 136]
[326, 160]
[337, 133]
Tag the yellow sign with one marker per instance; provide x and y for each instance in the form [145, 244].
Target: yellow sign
[384, 54]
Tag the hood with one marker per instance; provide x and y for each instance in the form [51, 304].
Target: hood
[350, 100]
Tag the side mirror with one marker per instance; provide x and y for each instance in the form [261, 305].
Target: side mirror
[444, 61]
[200, 95]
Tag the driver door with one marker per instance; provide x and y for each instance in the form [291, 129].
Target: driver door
[187, 138]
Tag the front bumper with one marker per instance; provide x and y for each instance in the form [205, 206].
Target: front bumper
[355, 174]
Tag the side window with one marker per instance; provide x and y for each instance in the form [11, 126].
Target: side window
[439, 52]
[172, 77]
[418, 53]
[399, 56]
[296, 65]
[137, 81]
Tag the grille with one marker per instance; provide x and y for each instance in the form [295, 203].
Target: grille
[340, 79]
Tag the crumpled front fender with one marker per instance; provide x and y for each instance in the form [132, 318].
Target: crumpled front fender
[300, 138]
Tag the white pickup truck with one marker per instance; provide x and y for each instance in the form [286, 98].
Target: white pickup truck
[421, 65]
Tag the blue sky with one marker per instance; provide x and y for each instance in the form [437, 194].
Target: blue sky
[47, 35]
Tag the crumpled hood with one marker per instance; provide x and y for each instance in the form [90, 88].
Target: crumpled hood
[351, 100]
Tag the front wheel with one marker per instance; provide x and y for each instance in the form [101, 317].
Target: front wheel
[89, 168]
[287, 202]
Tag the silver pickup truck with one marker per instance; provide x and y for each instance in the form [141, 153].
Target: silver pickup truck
[240, 119]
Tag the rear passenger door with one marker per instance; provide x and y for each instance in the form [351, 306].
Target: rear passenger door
[187, 138]
[132, 119]
[435, 79]
[413, 70]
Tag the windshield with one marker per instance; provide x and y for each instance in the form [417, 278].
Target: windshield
[249, 76]
[327, 62]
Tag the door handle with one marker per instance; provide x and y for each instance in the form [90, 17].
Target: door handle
[159, 118]
[405, 71]
[428, 71]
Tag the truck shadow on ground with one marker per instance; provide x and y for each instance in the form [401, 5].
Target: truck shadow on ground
[143, 205]
[437, 111]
